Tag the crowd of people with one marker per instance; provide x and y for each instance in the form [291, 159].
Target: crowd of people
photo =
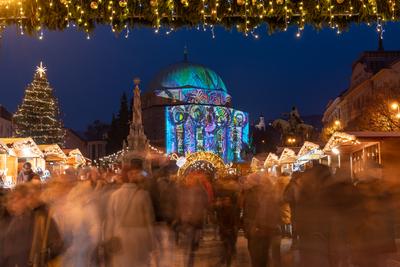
[97, 217]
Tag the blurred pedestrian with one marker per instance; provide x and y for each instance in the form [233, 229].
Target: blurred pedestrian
[312, 217]
[192, 205]
[165, 218]
[260, 217]
[31, 237]
[375, 230]
[129, 223]
[82, 226]
[228, 219]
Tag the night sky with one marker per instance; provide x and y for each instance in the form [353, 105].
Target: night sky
[265, 76]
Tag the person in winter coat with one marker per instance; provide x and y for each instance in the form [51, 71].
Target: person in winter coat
[374, 233]
[165, 217]
[312, 217]
[192, 205]
[228, 218]
[31, 237]
[129, 224]
[260, 217]
[81, 224]
[26, 174]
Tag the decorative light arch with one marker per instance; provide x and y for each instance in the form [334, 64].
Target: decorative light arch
[210, 157]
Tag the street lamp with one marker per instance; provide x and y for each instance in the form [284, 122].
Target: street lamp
[396, 107]
[337, 123]
[291, 141]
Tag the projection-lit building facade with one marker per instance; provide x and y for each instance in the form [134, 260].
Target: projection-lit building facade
[187, 109]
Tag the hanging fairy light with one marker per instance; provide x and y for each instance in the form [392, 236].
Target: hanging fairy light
[245, 13]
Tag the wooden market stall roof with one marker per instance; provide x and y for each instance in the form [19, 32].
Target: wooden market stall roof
[309, 151]
[53, 152]
[370, 134]
[4, 149]
[339, 138]
[74, 156]
[23, 147]
[287, 156]
[271, 160]
[307, 148]
[350, 142]
[255, 164]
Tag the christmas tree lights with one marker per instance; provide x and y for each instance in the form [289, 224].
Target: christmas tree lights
[38, 116]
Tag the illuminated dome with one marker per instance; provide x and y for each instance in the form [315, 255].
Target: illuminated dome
[186, 75]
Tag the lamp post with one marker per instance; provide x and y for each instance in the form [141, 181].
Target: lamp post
[291, 141]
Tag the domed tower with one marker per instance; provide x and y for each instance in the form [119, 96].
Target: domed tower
[187, 109]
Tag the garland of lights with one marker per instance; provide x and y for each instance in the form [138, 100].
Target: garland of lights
[116, 157]
[206, 156]
[32, 16]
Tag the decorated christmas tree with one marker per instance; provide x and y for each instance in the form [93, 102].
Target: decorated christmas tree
[38, 116]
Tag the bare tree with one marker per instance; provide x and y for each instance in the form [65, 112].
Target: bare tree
[378, 114]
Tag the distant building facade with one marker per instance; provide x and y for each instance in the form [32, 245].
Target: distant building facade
[373, 72]
[92, 149]
[6, 129]
[75, 140]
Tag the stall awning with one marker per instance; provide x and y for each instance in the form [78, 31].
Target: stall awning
[23, 147]
[53, 152]
[271, 160]
[287, 156]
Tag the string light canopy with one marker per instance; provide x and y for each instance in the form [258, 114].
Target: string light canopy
[198, 159]
[32, 16]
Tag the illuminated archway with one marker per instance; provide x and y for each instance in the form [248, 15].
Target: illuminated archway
[216, 162]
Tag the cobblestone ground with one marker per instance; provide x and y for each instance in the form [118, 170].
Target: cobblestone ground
[208, 255]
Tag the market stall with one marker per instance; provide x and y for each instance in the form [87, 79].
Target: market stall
[55, 158]
[346, 151]
[8, 166]
[287, 160]
[26, 150]
[308, 152]
[75, 158]
[271, 162]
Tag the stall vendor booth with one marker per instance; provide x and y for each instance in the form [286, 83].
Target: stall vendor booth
[287, 160]
[8, 166]
[255, 164]
[75, 158]
[26, 150]
[385, 151]
[346, 151]
[55, 158]
[271, 163]
[308, 152]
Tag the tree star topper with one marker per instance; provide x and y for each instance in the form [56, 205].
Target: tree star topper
[41, 69]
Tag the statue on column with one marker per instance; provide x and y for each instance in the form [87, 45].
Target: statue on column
[138, 145]
[137, 104]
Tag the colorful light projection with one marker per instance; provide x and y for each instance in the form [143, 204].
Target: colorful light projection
[196, 96]
[194, 128]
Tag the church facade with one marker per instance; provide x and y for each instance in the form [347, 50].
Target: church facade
[187, 109]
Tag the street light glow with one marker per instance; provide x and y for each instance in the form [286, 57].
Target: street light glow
[395, 105]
